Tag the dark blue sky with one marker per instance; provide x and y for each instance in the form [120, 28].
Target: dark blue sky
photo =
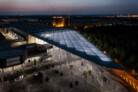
[68, 7]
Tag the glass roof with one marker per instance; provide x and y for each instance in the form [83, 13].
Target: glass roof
[72, 41]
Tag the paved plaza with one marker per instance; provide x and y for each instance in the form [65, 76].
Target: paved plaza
[72, 68]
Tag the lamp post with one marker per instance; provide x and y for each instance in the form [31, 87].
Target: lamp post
[60, 56]
[84, 77]
[13, 69]
[52, 55]
[102, 88]
[71, 67]
[2, 76]
[67, 63]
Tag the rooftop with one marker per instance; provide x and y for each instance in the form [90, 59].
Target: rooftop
[70, 41]
[13, 52]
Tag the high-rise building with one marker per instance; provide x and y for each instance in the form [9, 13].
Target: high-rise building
[60, 21]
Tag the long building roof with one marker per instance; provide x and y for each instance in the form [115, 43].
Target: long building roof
[13, 52]
[71, 41]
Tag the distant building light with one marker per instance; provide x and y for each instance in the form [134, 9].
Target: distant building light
[60, 21]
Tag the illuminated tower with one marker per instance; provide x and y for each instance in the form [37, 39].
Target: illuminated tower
[60, 21]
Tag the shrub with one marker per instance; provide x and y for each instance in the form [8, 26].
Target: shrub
[59, 90]
[56, 71]
[53, 65]
[61, 74]
[71, 85]
[89, 72]
[35, 62]
[92, 77]
[76, 83]
[71, 66]
[85, 74]
[29, 61]
[41, 60]
[47, 79]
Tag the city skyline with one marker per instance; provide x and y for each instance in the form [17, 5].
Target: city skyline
[73, 7]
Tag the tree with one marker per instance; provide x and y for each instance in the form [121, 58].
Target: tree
[118, 41]
[89, 72]
[61, 74]
[29, 61]
[35, 62]
[56, 71]
[76, 83]
[41, 61]
[71, 67]
[47, 79]
[58, 90]
[84, 76]
[53, 65]
[90, 38]
[71, 85]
